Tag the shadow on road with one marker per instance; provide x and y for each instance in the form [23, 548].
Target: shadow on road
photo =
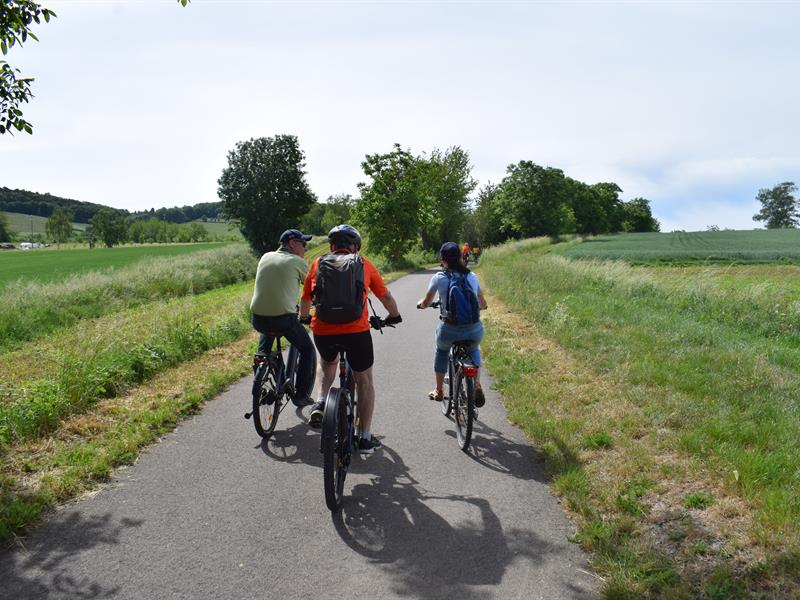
[495, 451]
[395, 522]
[41, 558]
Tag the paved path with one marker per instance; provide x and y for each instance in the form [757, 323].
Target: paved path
[212, 513]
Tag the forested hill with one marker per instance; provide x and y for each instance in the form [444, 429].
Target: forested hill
[43, 205]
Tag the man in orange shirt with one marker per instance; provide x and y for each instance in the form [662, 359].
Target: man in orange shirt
[465, 252]
[349, 333]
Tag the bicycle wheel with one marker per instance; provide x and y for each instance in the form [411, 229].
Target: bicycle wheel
[292, 362]
[335, 448]
[447, 401]
[464, 409]
[267, 404]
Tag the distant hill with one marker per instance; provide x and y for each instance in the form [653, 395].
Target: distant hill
[24, 224]
[43, 205]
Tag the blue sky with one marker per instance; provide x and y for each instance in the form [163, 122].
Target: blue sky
[692, 105]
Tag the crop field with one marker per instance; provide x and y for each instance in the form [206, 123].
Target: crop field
[23, 224]
[50, 264]
[690, 247]
[665, 403]
[222, 230]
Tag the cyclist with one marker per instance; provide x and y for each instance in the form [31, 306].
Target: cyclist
[351, 336]
[465, 252]
[447, 333]
[274, 306]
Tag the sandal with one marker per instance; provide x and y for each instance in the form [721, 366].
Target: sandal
[480, 399]
[437, 395]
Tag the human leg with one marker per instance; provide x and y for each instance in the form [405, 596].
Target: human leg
[297, 335]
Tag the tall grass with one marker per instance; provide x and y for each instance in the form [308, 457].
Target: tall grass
[108, 359]
[30, 310]
[716, 372]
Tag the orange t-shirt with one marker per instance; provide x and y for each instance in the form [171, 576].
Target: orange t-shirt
[465, 249]
[373, 282]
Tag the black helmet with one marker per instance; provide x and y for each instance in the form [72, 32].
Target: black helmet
[345, 235]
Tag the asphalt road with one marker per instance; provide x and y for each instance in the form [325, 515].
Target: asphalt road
[211, 512]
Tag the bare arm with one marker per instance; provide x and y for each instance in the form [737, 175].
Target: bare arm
[305, 307]
[390, 304]
[482, 301]
[426, 301]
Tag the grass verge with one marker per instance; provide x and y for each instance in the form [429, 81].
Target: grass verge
[31, 310]
[666, 413]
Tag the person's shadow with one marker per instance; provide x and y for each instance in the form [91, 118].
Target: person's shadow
[432, 545]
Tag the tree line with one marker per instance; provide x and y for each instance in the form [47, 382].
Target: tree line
[43, 205]
[418, 200]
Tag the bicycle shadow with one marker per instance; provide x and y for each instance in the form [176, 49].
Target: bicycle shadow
[33, 566]
[490, 448]
[296, 444]
[432, 545]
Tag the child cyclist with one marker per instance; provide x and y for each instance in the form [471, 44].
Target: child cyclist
[448, 332]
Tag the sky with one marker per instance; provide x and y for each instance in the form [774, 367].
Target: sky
[693, 105]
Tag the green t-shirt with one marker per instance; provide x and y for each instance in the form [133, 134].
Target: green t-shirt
[278, 278]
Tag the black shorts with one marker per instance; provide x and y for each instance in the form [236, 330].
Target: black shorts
[356, 346]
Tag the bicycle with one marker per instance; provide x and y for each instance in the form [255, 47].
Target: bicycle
[460, 400]
[339, 426]
[273, 386]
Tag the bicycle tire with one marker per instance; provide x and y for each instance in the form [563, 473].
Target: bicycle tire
[447, 402]
[267, 405]
[335, 448]
[464, 409]
[292, 362]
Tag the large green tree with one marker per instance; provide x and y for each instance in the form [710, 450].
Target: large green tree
[533, 201]
[391, 204]
[446, 184]
[16, 19]
[778, 206]
[323, 216]
[109, 226]
[5, 229]
[264, 190]
[637, 216]
[59, 226]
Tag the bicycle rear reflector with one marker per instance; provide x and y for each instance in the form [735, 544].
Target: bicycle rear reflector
[469, 371]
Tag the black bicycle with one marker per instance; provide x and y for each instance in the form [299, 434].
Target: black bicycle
[339, 426]
[273, 386]
[460, 399]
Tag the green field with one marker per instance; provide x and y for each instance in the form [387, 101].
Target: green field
[763, 245]
[55, 265]
[222, 230]
[22, 224]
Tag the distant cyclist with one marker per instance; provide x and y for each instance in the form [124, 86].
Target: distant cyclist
[274, 306]
[465, 253]
[452, 328]
[338, 284]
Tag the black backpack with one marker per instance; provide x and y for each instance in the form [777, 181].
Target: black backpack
[462, 302]
[339, 289]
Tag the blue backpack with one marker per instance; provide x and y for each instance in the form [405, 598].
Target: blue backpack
[461, 307]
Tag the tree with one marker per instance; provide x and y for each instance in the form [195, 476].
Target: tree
[110, 227]
[5, 229]
[446, 185]
[16, 19]
[323, 216]
[778, 206]
[390, 206]
[532, 201]
[637, 217]
[264, 189]
[59, 226]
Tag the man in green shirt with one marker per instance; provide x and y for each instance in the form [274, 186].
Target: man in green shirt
[274, 306]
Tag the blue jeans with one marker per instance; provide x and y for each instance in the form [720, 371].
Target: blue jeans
[290, 328]
[447, 334]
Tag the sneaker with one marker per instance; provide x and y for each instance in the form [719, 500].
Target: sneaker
[368, 446]
[315, 420]
[480, 399]
[301, 402]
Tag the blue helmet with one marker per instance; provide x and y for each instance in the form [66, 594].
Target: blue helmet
[345, 235]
